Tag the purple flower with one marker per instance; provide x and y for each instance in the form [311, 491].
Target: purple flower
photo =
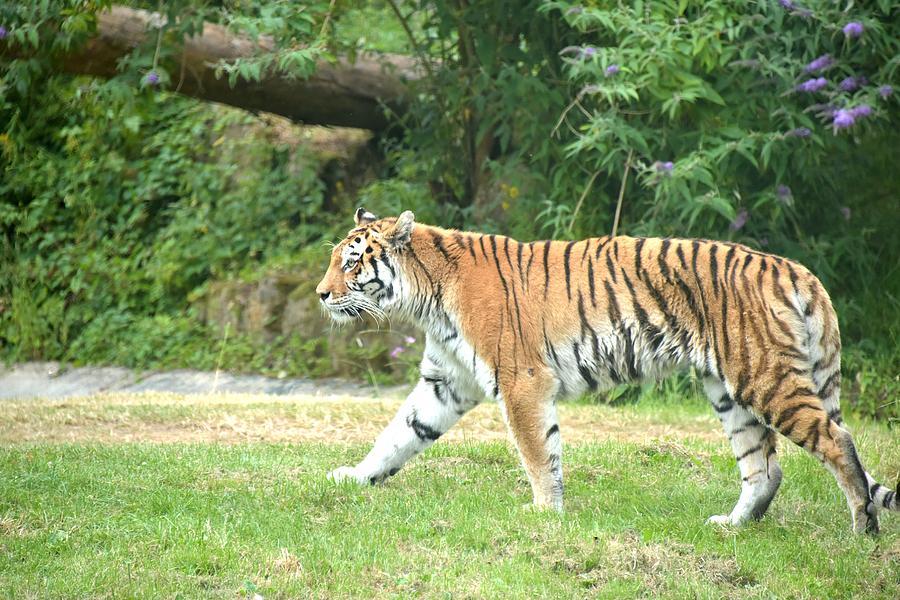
[853, 29]
[800, 132]
[786, 4]
[812, 85]
[849, 84]
[612, 70]
[664, 167]
[843, 119]
[3, 32]
[409, 340]
[588, 52]
[820, 63]
[863, 110]
[784, 194]
[397, 351]
[846, 212]
[885, 91]
[739, 220]
[152, 78]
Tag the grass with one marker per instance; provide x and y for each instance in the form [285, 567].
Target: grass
[96, 517]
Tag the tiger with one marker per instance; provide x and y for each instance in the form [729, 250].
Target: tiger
[527, 324]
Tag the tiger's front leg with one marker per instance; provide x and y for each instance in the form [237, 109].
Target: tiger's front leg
[429, 411]
[530, 413]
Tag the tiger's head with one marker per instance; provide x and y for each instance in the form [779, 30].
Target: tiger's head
[363, 276]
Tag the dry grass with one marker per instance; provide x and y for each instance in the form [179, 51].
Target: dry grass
[235, 418]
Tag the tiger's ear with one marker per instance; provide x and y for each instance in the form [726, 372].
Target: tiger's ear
[363, 217]
[399, 234]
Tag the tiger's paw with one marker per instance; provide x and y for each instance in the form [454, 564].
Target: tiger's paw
[722, 520]
[346, 475]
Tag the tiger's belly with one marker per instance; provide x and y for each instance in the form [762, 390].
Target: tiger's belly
[598, 361]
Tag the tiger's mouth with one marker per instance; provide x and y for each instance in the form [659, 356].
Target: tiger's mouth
[353, 309]
[343, 313]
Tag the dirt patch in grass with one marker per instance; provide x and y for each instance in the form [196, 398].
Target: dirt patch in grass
[237, 418]
[655, 567]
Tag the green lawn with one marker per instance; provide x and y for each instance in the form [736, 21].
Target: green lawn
[98, 519]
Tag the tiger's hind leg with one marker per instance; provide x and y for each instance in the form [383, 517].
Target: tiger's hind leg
[798, 413]
[754, 447]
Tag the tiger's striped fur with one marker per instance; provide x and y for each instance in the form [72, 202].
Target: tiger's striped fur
[528, 323]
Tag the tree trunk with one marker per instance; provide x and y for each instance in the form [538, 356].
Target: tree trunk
[343, 94]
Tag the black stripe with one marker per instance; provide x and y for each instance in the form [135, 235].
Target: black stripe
[714, 268]
[471, 245]
[546, 268]
[591, 282]
[691, 305]
[611, 268]
[518, 313]
[744, 455]
[723, 408]
[581, 314]
[583, 370]
[519, 247]
[553, 429]
[600, 244]
[481, 243]
[747, 260]
[387, 263]
[630, 360]
[409, 248]
[793, 275]
[439, 244]
[729, 256]
[422, 431]
[661, 259]
[726, 339]
[638, 246]
[680, 254]
[458, 238]
[835, 415]
[642, 316]
[790, 412]
[566, 255]
[612, 304]
[828, 383]
[530, 258]
[506, 252]
[493, 241]
[745, 426]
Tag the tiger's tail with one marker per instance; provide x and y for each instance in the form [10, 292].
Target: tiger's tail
[883, 496]
[825, 365]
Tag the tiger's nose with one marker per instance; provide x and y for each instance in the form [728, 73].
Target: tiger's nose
[324, 295]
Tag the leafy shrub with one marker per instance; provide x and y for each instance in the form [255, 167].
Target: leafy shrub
[771, 123]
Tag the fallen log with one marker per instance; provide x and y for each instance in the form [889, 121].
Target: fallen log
[347, 94]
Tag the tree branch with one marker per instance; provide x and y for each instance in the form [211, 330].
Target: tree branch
[345, 94]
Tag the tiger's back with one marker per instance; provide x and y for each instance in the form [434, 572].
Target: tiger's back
[604, 311]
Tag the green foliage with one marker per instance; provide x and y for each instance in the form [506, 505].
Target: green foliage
[537, 117]
[118, 203]
[120, 200]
